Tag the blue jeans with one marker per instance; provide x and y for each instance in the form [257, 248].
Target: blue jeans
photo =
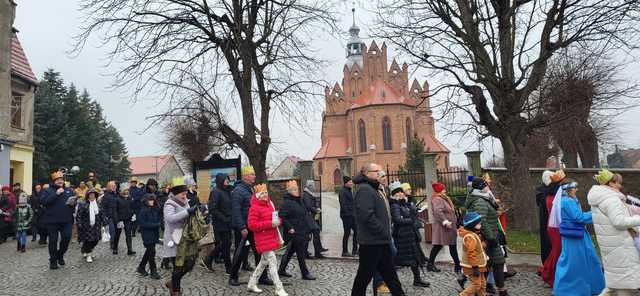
[22, 237]
[112, 231]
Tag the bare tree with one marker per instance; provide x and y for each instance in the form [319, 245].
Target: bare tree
[496, 54]
[584, 92]
[234, 60]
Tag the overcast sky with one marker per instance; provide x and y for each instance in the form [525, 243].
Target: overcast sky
[46, 30]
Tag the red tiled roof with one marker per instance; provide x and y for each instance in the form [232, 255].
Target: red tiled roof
[146, 165]
[380, 93]
[431, 144]
[19, 62]
[332, 147]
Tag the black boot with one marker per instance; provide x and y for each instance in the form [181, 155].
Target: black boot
[53, 264]
[18, 246]
[420, 283]
[265, 281]
[141, 270]
[490, 289]
[504, 293]
[432, 267]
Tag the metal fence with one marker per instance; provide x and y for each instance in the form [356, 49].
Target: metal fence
[455, 179]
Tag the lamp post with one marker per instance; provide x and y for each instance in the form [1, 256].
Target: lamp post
[109, 160]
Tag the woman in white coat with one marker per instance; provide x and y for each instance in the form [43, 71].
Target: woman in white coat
[612, 222]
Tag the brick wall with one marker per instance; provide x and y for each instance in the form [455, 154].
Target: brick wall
[584, 177]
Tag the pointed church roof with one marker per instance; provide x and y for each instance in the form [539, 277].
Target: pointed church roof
[380, 93]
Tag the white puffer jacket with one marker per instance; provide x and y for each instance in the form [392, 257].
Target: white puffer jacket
[611, 219]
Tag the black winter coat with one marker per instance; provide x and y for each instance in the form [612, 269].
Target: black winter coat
[122, 209]
[149, 220]
[220, 206]
[295, 215]
[346, 203]
[108, 203]
[86, 232]
[404, 233]
[371, 213]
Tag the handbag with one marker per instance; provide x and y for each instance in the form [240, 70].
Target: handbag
[571, 229]
[105, 235]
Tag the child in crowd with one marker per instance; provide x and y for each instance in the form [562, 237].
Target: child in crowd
[263, 220]
[149, 221]
[24, 216]
[474, 260]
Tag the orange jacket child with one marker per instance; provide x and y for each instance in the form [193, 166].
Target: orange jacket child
[474, 259]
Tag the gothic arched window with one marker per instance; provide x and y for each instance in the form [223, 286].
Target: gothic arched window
[386, 133]
[362, 135]
[409, 134]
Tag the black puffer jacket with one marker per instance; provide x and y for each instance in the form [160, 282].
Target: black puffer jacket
[122, 209]
[371, 212]
[404, 234]
[295, 215]
[220, 205]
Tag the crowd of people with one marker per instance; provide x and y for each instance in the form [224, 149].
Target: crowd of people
[571, 265]
[383, 221]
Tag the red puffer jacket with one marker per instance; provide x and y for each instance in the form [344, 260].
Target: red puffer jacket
[260, 214]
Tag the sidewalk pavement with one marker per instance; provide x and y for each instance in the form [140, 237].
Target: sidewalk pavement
[332, 238]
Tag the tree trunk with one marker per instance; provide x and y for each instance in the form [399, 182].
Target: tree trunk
[588, 149]
[519, 198]
[258, 160]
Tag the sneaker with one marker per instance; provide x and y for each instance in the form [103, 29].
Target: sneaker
[281, 292]
[308, 277]
[383, 289]
[89, 259]
[253, 288]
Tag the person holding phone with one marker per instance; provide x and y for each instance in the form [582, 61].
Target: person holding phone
[59, 203]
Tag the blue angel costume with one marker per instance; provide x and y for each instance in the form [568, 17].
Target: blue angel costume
[578, 272]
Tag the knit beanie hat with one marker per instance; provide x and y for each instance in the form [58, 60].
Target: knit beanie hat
[406, 186]
[471, 219]
[346, 179]
[438, 187]
[247, 170]
[603, 177]
[478, 183]
[395, 187]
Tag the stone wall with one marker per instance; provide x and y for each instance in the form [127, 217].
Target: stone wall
[584, 177]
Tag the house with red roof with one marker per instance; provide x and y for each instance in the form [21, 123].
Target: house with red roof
[162, 168]
[17, 88]
[372, 114]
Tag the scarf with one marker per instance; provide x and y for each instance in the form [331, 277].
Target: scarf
[93, 211]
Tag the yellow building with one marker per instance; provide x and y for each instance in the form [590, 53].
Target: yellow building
[17, 88]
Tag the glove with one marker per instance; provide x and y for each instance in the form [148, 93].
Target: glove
[120, 224]
[191, 210]
[275, 223]
[475, 271]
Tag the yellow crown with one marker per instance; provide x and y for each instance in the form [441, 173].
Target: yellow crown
[292, 184]
[261, 188]
[57, 175]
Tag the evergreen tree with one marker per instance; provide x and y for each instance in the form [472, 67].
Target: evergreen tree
[415, 158]
[70, 129]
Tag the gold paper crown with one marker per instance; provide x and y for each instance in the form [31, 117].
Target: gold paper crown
[57, 175]
[292, 184]
[261, 188]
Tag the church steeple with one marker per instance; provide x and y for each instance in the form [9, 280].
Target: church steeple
[355, 45]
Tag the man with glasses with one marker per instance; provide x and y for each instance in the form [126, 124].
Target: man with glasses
[371, 209]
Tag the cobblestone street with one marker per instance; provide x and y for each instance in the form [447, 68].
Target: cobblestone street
[28, 274]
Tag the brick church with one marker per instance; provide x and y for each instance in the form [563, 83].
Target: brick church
[371, 116]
